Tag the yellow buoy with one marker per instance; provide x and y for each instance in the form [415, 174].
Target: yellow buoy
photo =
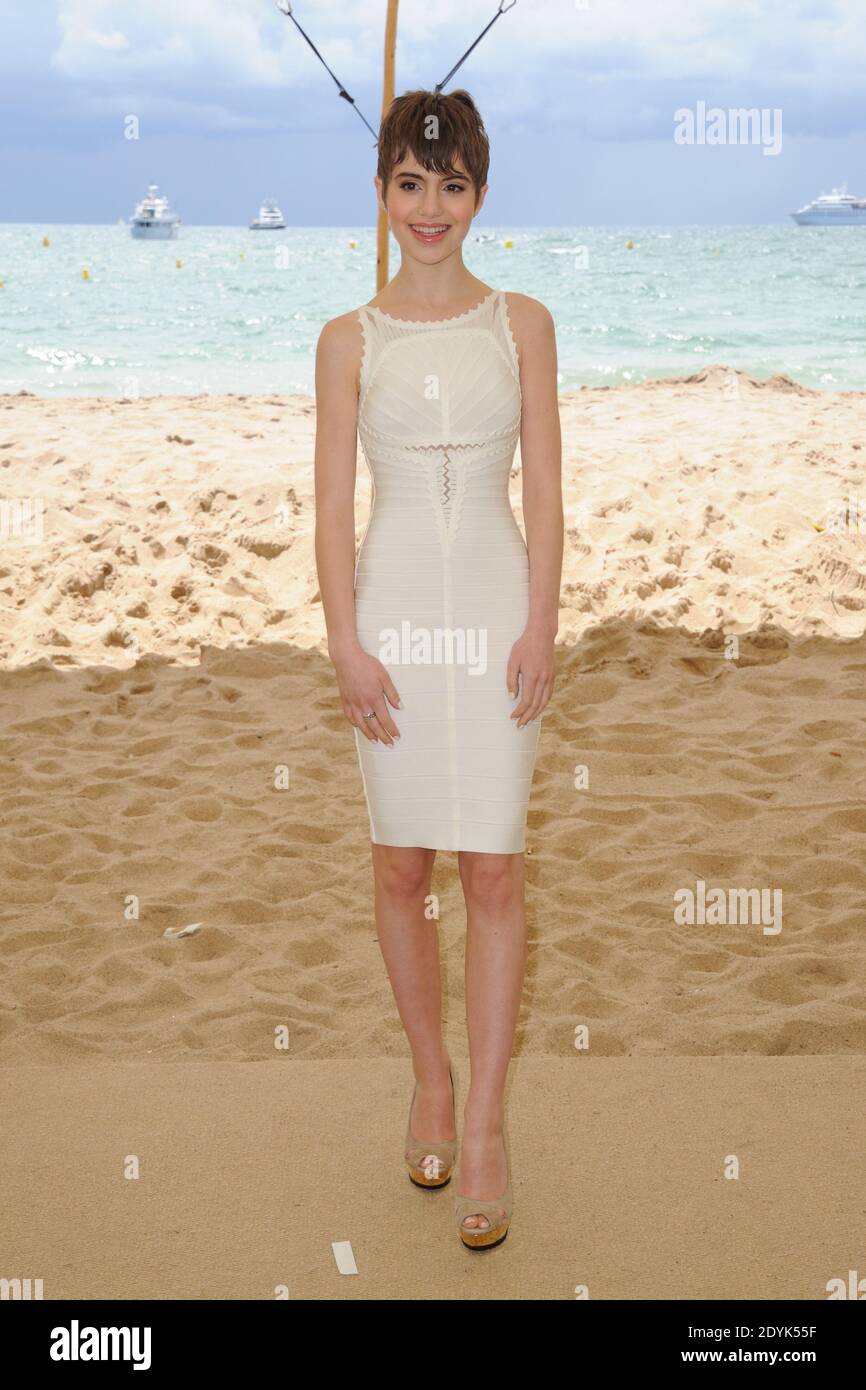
[45, 241]
[629, 246]
[85, 274]
[508, 243]
[353, 245]
[177, 265]
[242, 255]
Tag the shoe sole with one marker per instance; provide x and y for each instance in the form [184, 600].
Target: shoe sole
[483, 1244]
[430, 1186]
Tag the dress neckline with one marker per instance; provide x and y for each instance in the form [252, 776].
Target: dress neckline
[429, 323]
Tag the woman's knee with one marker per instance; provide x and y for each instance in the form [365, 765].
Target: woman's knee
[492, 881]
[402, 873]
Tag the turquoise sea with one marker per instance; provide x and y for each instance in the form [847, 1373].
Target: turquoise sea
[243, 310]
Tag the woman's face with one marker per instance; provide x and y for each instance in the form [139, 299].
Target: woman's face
[430, 214]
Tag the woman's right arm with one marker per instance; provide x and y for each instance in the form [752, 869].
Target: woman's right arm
[363, 681]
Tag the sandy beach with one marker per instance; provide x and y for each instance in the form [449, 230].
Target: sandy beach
[162, 653]
[173, 522]
[249, 1173]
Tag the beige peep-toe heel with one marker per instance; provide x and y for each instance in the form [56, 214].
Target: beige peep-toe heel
[431, 1165]
[496, 1211]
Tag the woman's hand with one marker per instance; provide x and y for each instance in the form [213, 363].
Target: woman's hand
[364, 685]
[532, 659]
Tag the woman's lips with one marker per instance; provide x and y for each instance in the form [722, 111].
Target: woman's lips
[427, 238]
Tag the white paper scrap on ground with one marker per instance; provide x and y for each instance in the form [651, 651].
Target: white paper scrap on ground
[184, 931]
[343, 1255]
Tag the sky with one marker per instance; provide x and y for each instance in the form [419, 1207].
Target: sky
[579, 98]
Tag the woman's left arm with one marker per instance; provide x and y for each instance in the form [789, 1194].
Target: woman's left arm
[541, 458]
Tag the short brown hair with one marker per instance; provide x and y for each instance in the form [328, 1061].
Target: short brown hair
[404, 130]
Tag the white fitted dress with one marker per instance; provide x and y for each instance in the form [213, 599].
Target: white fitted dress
[442, 579]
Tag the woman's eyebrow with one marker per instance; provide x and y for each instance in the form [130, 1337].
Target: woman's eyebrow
[413, 174]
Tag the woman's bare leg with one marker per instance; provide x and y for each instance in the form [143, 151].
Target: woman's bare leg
[409, 942]
[494, 889]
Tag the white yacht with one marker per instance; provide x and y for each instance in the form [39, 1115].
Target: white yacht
[270, 219]
[837, 209]
[153, 217]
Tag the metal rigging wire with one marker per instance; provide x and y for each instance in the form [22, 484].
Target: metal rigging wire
[503, 9]
[285, 8]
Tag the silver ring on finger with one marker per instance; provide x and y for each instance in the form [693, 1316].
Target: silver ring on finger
[371, 715]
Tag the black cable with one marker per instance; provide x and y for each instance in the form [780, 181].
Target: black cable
[285, 7]
[503, 9]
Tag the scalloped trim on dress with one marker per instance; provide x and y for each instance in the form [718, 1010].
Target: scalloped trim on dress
[506, 319]
[432, 323]
[446, 497]
[392, 439]
[365, 352]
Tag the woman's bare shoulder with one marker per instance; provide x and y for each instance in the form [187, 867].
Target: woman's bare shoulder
[342, 333]
[340, 349]
[527, 313]
[531, 323]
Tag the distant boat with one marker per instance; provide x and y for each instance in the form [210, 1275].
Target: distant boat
[153, 218]
[837, 209]
[270, 219]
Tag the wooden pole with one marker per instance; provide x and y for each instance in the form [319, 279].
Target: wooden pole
[387, 98]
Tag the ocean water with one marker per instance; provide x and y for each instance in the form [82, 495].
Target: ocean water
[243, 310]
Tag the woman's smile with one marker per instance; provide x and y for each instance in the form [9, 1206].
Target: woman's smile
[429, 231]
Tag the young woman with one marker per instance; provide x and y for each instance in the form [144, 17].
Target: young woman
[442, 633]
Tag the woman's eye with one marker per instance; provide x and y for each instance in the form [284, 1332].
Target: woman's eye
[453, 187]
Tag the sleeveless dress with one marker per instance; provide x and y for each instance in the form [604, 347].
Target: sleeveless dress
[441, 580]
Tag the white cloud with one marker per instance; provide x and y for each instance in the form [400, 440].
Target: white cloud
[250, 40]
[539, 60]
[167, 39]
[115, 40]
